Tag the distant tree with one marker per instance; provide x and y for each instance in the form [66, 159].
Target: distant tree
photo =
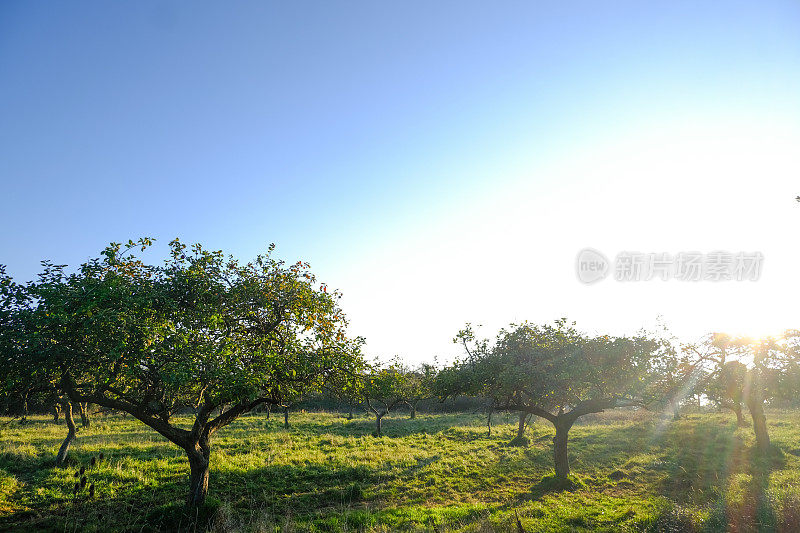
[702, 365]
[203, 332]
[727, 388]
[286, 416]
[382, 391]
[21, 381]
[475, 377]
[520, 439]
[559, 374]
[786, 384]
[769, 355]
[750, 371]
[676, 375]
[417, 385]
[471, 376]
[17, 377]
[351, 393]
[84, 410]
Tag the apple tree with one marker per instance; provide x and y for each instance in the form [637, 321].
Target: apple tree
[202, 333]
[560, 374]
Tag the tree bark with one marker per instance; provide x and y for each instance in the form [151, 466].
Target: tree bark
[675, 406]
[489, 420]
[760, 427]
[378, 424]
[563, 422]
[64, 450]
[413, 412]
[520, 439]
[56, 412]
[560, 457]
[286, 417]
[269, 410]
[756, 407]
[24, 418]
[755, 403]
[199, 458]
[85, 422]
[737, 408]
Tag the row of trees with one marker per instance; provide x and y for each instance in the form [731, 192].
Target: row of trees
[202, 334]
[560, 374]
[208, 336]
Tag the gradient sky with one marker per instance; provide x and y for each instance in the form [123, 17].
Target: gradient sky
[438, 162]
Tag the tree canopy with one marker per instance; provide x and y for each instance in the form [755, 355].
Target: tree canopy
[203, 332]
[554, 372]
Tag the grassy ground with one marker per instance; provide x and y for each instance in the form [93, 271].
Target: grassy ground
[438, 473]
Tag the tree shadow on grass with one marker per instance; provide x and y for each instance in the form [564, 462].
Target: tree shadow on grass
[752, 507]
[128, 505]
[700, 461]
[550, 484]
[711, 466]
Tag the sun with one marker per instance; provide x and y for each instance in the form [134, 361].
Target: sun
[755, 334]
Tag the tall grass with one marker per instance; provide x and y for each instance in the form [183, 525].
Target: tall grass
[435, 473]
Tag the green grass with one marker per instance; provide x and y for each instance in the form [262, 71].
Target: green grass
[436, 473]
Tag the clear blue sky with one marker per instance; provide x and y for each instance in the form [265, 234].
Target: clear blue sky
[370, 137]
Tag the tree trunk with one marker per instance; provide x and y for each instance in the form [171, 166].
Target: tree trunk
[675, 406]
[286, 417]
[56, 412]
[24, 409]
[350, 410]
[760, 427]
[737, 408]
[756, 407]
[269, 410]
[520, 439]
[755, 403]
[199, 455]
[489, 420]
[64, 450]
[560, 449]
[413, 411]
[378, 424]
[85, 422]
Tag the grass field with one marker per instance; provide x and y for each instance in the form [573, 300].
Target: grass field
[440, 472]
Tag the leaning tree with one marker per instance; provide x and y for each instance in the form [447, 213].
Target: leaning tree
[750, 371]
[203, 332]
[559, 374]
[766, 359]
